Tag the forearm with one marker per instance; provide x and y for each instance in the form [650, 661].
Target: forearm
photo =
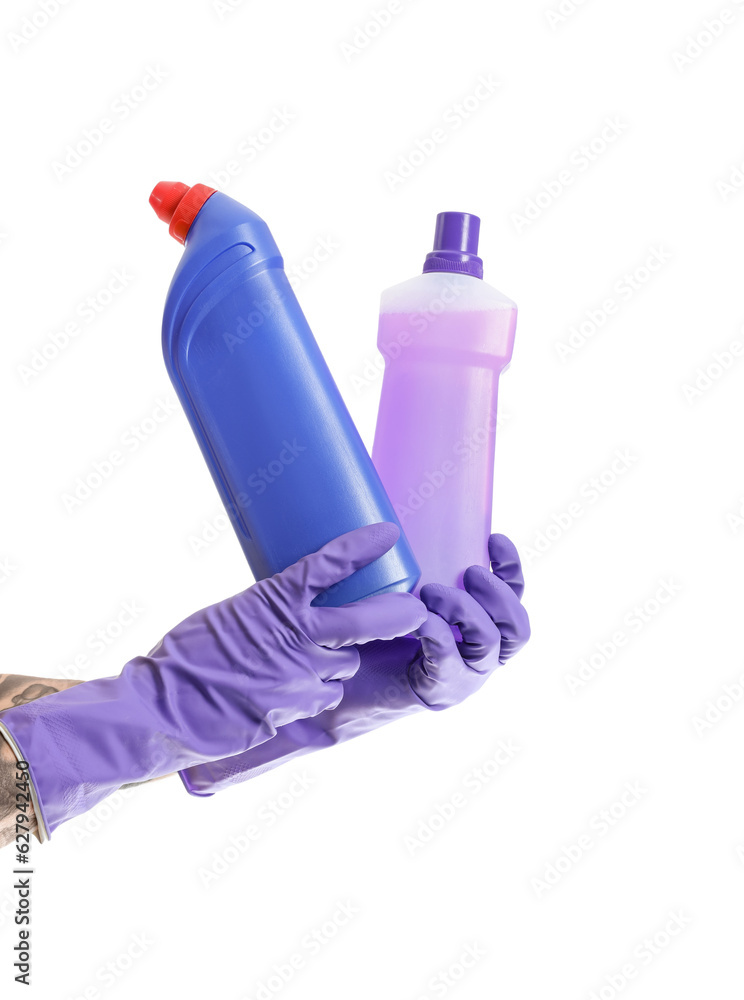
[8, 809]
[16, 689]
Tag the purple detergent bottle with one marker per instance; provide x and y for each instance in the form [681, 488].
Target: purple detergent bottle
[446, 336]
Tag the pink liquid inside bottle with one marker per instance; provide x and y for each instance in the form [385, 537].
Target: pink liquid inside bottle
[446, 336]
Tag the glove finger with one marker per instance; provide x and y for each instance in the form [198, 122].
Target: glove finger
[439, 677]
[329, 698]
[480, 636]
[337, 665]
[505, 562]
[439, 647]
[385, 616]
[309, 704]
[339, 558]
[501, 603]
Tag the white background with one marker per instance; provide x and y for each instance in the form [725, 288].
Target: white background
[671, 517]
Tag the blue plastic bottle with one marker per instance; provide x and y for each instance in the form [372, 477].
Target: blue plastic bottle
[280, 444]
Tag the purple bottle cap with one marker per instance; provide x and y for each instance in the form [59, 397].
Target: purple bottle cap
[456, 245]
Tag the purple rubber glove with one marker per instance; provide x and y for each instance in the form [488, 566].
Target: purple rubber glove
[406, 675]
[222, 681]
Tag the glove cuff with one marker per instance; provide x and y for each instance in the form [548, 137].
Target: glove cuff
[81, 745]
[41, 820]
[19, 729]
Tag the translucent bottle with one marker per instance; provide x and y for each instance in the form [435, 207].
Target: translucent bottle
[446, 336]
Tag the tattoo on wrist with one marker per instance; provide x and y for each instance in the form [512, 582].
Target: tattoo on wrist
[15, 689]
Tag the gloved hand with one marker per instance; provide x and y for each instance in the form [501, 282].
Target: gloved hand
[405, 675]
[222, 681]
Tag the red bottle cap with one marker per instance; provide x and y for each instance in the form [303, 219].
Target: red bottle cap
[178, 204]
